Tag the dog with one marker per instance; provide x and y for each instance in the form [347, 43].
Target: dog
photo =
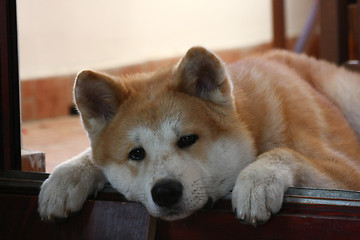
[180, 138]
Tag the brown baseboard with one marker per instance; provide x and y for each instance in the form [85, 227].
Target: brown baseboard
[52, 96]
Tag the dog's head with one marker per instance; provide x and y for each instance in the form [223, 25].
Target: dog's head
[171, 139]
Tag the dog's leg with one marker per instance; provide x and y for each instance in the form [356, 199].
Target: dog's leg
[68, 187]
[260, 187]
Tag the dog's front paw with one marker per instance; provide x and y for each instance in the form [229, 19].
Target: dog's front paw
[67, 188]
[59, 196]
[256, 197]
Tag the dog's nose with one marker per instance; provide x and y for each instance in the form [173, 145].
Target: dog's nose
[167, 192]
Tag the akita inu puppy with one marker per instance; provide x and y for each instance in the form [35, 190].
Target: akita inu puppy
[182, 137]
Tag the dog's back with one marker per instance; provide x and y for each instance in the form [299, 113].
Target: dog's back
[341, 86]
[298, 102]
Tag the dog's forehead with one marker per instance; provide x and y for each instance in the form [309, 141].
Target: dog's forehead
[167, 129]
[157, 110]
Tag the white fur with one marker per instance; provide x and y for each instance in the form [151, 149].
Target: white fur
[68, 187]
[199, 177]
[260, 187]
[162, 162]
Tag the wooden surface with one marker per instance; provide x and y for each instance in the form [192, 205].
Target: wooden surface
[97, 220]
[306, 214]
[102, 219]
[295, 221]
[109, 216]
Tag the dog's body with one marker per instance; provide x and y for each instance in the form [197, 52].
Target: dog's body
[182, 137]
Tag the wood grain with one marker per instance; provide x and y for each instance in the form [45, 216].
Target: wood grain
[97, 220]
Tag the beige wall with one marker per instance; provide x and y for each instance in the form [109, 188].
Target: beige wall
[62, 36]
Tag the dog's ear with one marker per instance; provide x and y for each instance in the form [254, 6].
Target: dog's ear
[202, 74]
[97, 97]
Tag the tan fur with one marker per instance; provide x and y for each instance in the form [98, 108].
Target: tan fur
[304, 119]
[263, 124]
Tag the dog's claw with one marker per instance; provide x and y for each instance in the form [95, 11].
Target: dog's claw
[254, 222]
[67, 212]
[268, 213]
[241, 216]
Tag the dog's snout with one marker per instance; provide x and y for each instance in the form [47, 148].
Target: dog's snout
[167, 192]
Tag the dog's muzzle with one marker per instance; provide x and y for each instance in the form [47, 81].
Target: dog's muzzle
[167, 193]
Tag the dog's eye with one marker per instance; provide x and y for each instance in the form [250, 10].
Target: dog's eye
[137, 154]
[187, 141]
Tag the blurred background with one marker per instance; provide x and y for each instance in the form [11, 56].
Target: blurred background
[62, 37]
[57, 39]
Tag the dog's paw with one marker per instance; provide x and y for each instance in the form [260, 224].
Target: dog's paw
[256, 197]
[66, 190]
[60, 196]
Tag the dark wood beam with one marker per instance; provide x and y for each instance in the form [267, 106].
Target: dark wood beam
[10, 144]
[279, 32]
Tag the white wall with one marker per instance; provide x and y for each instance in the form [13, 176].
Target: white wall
[65, 36]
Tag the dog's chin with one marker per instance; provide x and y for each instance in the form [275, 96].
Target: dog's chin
[173, 216]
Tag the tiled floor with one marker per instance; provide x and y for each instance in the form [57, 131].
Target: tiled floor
[60, 138]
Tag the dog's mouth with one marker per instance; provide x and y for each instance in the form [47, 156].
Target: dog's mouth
[173, 214]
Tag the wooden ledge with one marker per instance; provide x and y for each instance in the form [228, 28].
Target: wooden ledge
[306, 214]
